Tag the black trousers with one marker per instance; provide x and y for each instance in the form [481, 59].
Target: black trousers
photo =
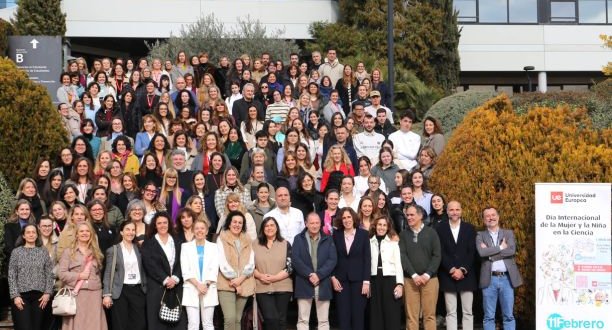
[31, 316]
[128, 312]
[273, 307]
[385, 310]
[350, 305]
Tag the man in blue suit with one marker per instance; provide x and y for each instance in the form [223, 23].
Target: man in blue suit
[313, 257]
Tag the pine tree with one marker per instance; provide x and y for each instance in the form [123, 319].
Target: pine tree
[30, 127]
[40, 17]
[6, 30]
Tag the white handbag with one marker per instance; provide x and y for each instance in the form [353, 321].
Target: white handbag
[64, 303]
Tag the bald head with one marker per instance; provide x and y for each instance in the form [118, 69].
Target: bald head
[283, 200]
[453, 208]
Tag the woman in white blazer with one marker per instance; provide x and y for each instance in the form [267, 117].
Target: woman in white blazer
[200, 267]
[386, 283]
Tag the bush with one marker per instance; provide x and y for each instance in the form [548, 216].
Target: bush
[210, 35]
[30, 127]
[6, 30]
[7, 203]
[452, 109]
[597, 102]
[496, 155]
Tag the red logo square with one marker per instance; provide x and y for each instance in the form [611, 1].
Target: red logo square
[556, 197]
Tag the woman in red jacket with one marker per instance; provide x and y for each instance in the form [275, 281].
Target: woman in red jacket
[337, 161]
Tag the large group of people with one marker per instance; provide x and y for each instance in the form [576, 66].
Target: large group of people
[189, 185]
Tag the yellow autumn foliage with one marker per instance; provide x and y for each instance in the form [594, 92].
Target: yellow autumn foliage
[495, 157]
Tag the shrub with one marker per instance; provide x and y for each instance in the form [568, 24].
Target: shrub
[496, 155]
[40, 17]
[6, 30]
[211, 35]
[7, 200]
[597, 102]
[451, 109]
[30, 127]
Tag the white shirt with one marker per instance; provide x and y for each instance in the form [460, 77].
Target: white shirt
[499, 265]
[131, 273]
[290, 223]
[368, 144]
[168, 248]
[406, 146]
[455, 231]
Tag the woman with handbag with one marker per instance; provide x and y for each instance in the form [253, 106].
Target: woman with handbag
[200, 267]
[161, 260]
[235, 282]
[79, 270]
[30, 278]
[125, 283]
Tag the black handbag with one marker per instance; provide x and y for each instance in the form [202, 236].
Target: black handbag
[167, 314]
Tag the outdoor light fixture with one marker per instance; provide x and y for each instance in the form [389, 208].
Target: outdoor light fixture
[527, 69]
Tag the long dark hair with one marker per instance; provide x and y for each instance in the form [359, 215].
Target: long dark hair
[152, 228]
[262, 239]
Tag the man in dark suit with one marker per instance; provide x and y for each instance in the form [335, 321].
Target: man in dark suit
[499, 274]
[456, 273]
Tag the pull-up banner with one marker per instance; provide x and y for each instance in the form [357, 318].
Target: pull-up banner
[573, 256]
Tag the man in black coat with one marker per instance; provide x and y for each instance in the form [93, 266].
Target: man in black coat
[240, 109]
[457, 272]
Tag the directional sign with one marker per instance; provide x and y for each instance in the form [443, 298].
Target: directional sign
[40, 57]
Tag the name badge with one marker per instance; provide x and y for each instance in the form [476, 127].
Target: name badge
[131, 276]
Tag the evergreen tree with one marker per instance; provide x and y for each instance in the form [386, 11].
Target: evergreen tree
[40, 17]
[6, 30]
[425, 34]
[30, 128]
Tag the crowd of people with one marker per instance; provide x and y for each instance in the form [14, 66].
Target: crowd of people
[189, 185]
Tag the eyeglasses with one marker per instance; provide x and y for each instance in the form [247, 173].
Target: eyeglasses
[46, 226]
[151, 191]
[97, 209]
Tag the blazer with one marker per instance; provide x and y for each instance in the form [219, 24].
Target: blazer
[190, 268]
[457, 255]
[354, 265]
[492, 253]
[303, 267]
[115, 290]
[156, 264]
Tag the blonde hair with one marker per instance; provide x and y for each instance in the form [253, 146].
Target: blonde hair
[329, 163]
[92, 244]
[176, 191]
[83, 208]
[234, 197]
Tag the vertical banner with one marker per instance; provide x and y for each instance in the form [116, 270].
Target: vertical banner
[41, 58]
[573, 256]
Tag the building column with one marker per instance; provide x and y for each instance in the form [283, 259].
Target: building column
[542, 84]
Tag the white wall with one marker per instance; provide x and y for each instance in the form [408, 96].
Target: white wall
[546, 47]
[160, 18]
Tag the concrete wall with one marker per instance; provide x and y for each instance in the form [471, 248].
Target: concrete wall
[160, 18]
[546, 47]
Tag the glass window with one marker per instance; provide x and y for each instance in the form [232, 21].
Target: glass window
[563, 11]
[592, 11]
[609, 11]
[493, 11]
[466, 9]
[523, 11]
